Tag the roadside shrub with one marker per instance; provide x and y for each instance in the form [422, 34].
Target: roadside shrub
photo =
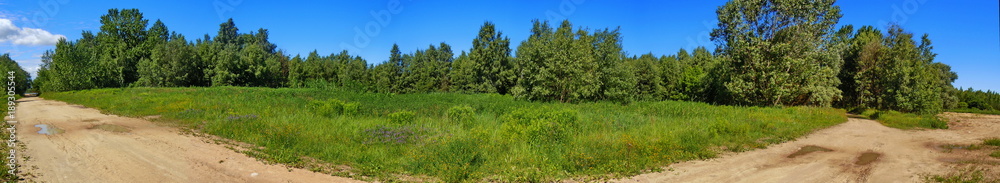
[462, 114]
[540, 125]
[403, 117]
[333, 107]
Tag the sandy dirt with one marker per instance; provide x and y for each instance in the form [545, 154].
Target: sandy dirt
[905, 155]
[92, 147]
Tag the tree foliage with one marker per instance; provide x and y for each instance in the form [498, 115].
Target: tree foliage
[768, 52]
[775, 52]
[21, 80]
[891, 71]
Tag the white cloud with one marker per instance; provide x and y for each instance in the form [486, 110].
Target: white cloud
[26, 36]
[32, 70]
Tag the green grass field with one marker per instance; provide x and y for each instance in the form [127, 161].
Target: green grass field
[461, 137]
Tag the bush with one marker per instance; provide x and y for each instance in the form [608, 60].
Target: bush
[462, 114]
[334, 107]
[403, 117]
[540, 125]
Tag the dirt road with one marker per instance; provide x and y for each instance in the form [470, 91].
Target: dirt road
[87, 146]
[902, 155]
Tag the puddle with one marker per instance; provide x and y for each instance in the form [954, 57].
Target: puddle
[111, 128]
[867, 158]
[47, 130]
[808, 149]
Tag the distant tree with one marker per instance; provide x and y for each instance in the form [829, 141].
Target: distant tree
[462, 74]
[352, 72]
[22, 81]
[172, 64]
[296, 73]
[572, 66]
[228, 33]
[616, 81]
[858, 75]
[120, 47]
[492, 61]
[649, 85]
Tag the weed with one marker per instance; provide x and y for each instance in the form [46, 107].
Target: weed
[992, 142]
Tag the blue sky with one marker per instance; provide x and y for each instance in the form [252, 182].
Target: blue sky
[966, 34]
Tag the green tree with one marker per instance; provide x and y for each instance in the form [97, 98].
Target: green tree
[462, 74]
[572, 66]
[296, 73]
[173, 64]
[491, 57]
[120, 43]
[22, 81]
[615, 80]
[649, 84]
[777, 53]
[861, 68]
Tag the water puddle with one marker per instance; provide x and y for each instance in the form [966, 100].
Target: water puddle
[111, 128]
[808, 149]
[867, 158]
[47, 130]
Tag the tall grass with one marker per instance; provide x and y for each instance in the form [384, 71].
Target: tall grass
[464, 137]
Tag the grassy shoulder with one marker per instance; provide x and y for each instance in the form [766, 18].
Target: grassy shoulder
[904, 121]
[461, 137]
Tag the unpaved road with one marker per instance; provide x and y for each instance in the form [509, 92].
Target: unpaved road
[94, 147]
[906, 155]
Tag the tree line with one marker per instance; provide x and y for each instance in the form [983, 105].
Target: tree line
[21, 80]
[768, 53]
[977, 99]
